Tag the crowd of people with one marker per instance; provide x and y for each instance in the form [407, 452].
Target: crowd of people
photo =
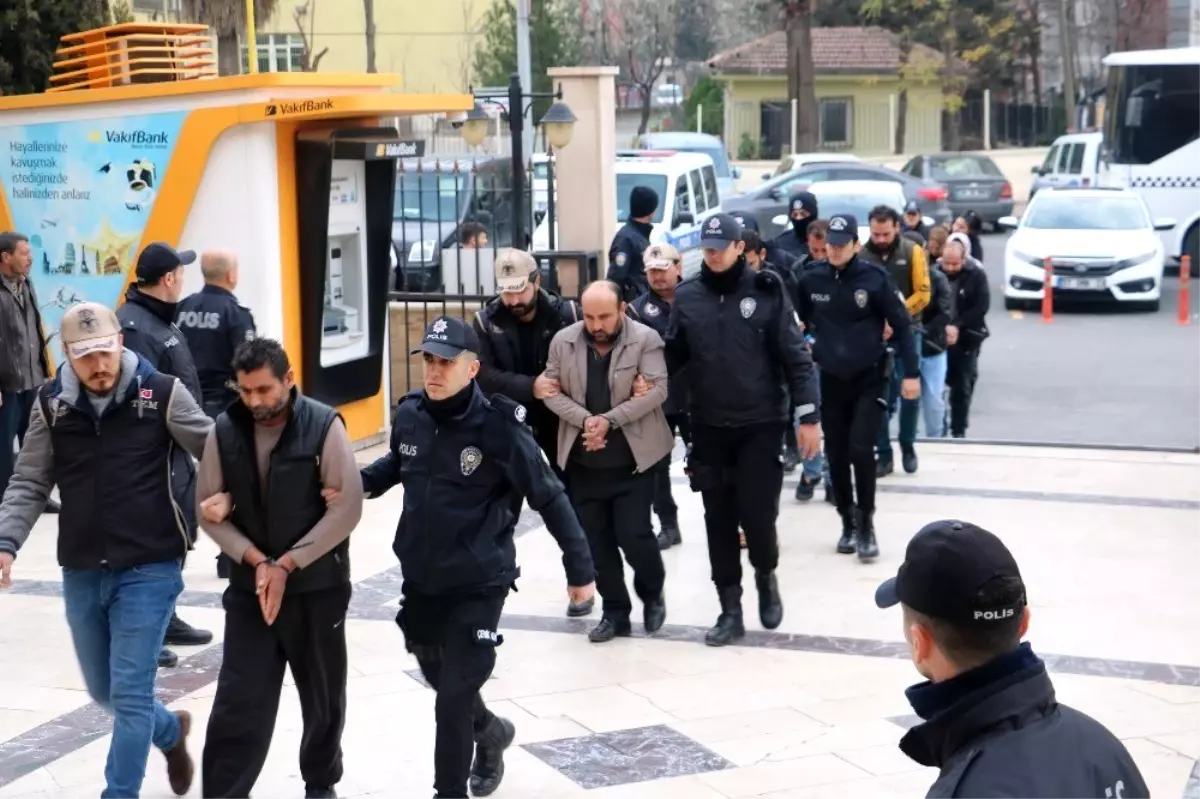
[780, 353]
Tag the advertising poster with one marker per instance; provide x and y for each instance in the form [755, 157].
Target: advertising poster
[82, 192]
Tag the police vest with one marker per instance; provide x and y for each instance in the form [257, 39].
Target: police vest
[114, 476]
[277, 514]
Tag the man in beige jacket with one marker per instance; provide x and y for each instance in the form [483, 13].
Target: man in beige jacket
[609, 442]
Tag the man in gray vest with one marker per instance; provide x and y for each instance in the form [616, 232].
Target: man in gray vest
[113, 433]
[274, 452]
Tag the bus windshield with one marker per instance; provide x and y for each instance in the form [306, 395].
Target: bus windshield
[1152, 111]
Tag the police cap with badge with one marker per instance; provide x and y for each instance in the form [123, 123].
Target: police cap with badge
[843, 229]
[719, 232]
[448, 337]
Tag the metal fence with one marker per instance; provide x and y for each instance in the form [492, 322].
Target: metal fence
[452, 216]
[1012, 123]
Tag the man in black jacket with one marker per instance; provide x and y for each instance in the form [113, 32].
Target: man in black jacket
[112, 432]
[664, 270]
[992, 724]
[970, 297]
[455, 543]
[934, 320]
[148, 326]
[845, 302]
[625, 267]
[747, 366]
[788, 247]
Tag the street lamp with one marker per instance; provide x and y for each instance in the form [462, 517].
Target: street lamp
[558, 121]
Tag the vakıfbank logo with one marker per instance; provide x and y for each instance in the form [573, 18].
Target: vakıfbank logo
[138, 138]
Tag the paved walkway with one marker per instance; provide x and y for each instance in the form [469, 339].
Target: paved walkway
[1107, 542]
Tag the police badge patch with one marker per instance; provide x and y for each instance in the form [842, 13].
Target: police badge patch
[469, 460]
[860, 297]
[620, 259]
[652, 310]
[747, 307]
[519, 413]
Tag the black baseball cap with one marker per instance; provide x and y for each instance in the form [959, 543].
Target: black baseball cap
[843, 229]
[747, 221]
[159, 260]
[448, 337]
[912, 207]
[946, 566]
[719, 231]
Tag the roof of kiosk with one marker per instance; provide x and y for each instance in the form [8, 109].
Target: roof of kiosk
[138, 61]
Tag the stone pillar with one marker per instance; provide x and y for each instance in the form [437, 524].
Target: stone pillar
[586, 208]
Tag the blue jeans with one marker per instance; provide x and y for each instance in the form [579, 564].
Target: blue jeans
[118, 619]
[933, 401]
[909, 411]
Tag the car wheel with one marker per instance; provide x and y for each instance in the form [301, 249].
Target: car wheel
[1011, 304]
[1191, 246]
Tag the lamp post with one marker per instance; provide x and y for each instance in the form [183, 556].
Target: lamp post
[559, 123]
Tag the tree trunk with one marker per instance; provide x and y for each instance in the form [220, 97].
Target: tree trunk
[1067, 47]
[801, 75]
[369, 13]
[644, 124]
[229, 60]
[901, 119]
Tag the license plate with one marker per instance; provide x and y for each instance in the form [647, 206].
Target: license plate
[1079, 283]
[972, 194]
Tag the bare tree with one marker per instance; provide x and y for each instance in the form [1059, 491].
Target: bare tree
[642, 38]
[227, 18]
[369, 14]
[306, 13]
[797, 18]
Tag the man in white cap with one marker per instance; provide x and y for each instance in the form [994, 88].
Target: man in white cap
[112, 432]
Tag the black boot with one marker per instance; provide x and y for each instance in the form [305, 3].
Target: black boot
[167, 659]
[610, 628]
[805, 488]
[867, 548]
[908, 457]
[846, 544]
[669, 535]
[488, 768]
[317, 792]
[654, 613]
[770, 603]
[180, 633]
[729, 627]
[884, 467]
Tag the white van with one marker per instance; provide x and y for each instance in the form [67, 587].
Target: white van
[1072, 162]
[686, 185]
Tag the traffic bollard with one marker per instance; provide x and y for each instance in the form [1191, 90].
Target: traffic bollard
[1185, 304]
[1048, 293]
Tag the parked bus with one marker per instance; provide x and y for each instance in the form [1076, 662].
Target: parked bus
[1152, 138]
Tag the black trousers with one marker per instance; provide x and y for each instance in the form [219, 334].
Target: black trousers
[664, 503]
[309, 637]
[613, 506]
[962, 370]
[851, 412]
[739, 474]
[454, 640]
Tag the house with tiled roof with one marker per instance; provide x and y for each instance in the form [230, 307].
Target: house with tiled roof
[858, 80]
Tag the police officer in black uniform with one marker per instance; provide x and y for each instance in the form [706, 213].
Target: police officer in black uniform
[148, 328]
[664, 270]
[625, 267]
[747, 364]
[464, 460]
[845, 301]
[214, 324]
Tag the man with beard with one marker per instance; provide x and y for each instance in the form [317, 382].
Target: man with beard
[113, 433]
[625, 267]
[148, 326]
[514, 331]
[747, 365]
[664, 270]
[610, 444]
[275, 451]
[970, 299]
[790, 245]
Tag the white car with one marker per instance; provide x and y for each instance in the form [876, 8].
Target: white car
[1102, 243]
[855, 197]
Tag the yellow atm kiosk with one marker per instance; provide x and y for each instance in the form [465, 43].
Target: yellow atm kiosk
[139, 141]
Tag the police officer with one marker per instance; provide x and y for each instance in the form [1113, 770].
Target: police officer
[792, 243]
[625, 267]
[845, 301]
[747, 363]
[664, 270]
[992, 723]
[214, 324]
[148, 327]
[455, 543]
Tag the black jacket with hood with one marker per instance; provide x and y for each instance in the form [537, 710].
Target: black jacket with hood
[787, 248]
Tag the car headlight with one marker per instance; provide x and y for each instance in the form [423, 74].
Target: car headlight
[422, 252]
[1024, 257]
[1137, 260]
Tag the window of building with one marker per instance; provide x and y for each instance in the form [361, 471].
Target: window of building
[834, 115]
[278, 52]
